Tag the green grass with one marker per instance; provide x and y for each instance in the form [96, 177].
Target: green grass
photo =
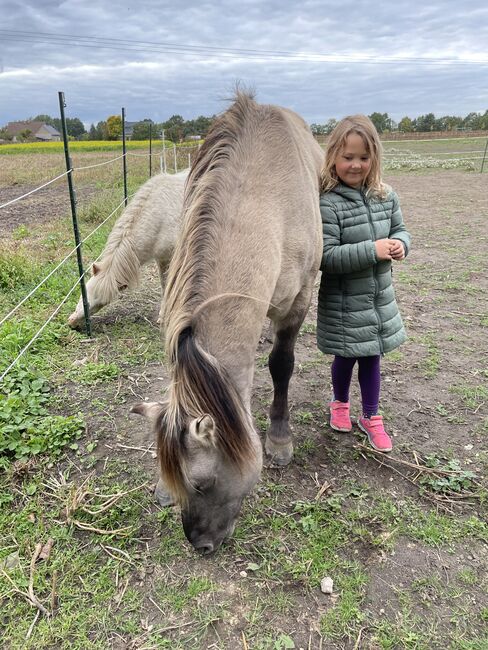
[86, 146]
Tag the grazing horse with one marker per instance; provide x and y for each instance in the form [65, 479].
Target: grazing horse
[250, 247]
[146, 230]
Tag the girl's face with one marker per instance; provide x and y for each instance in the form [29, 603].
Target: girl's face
[353, 161]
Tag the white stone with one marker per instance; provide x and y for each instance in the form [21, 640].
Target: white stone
[326, 585]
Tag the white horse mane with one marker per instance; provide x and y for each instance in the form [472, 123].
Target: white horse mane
[147, 229]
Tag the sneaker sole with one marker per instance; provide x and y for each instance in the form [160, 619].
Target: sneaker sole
[342, 430]
[385, 451]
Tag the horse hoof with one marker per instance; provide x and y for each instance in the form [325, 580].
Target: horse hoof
[162, 496]
[279, 454]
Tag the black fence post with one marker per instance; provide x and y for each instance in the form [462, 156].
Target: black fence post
[124, 158]
[484, 156]
[150, 149]
[72, 198]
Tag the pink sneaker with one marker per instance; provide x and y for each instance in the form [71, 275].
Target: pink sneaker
[374, 429]
[339, 416]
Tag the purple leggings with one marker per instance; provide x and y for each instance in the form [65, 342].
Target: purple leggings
[369, 381]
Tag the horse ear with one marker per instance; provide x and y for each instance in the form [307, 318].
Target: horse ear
[202, 430]
[150, 410]
[95, 269]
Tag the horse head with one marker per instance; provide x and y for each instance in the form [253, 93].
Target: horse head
[100, 291]
[200, 475]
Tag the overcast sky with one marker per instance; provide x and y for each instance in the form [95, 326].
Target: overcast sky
[323, 59]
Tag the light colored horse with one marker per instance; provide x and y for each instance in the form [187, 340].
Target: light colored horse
[146, 230]
[251, 245]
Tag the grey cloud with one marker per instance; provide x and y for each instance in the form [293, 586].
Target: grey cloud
[188, 85]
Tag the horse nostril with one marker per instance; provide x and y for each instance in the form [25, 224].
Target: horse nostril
[204, 548]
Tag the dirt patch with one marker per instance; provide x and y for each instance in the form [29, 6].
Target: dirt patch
[38, 208]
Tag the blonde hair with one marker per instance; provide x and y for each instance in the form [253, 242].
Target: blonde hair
[364, 127]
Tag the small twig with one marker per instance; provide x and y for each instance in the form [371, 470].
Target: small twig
[26, 595]
[119, 559]
[244, 642]
[466, 313]
[32, 625]
[32, 596]
[423, 468]
[54, 597]
[101, 531]
[325, 486]
[358, 640]
[156, 605]
[119, 597]
[144, 449]
[429, 497]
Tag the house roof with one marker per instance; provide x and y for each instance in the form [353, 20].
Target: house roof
[50, 129]
[13, 128]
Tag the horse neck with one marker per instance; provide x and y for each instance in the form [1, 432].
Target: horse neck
[120, 261]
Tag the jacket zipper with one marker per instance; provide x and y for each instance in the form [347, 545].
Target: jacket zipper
[376, 286]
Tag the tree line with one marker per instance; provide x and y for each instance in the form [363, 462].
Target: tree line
[423, 123]
[175, 128]
[178, 129]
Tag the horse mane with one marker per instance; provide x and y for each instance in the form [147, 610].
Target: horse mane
[119, 267]
[120, 264]
[199, 385]
[214, 174]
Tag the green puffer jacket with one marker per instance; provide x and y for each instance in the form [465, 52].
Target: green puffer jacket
[357, 311]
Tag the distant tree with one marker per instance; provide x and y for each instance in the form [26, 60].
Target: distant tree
[472, 121]
[25, 134]
[330, 125]
[75, 127]
[92, 132]
[47, 119]
[405, 125]
[4, 135]
[382, 121]
[425, 123]
[174, 128]
[101, 131]
[448, 123]
[484, 121]
[318, 129]
[114, 127]
[201, 125]
[141, 130]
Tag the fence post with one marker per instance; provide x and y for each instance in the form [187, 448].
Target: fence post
[150, 149]
[484, 156]
[124, 159]
[72, 198]
[163, 159]
[174, 156]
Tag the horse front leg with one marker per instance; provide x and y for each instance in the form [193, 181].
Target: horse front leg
[162, 268]
[278, 444]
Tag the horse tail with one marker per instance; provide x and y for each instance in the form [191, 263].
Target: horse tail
[200, 386]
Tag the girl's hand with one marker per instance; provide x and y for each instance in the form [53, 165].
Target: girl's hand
[397, 251]
[383, 248]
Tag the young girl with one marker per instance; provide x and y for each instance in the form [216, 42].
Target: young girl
[358, 318]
